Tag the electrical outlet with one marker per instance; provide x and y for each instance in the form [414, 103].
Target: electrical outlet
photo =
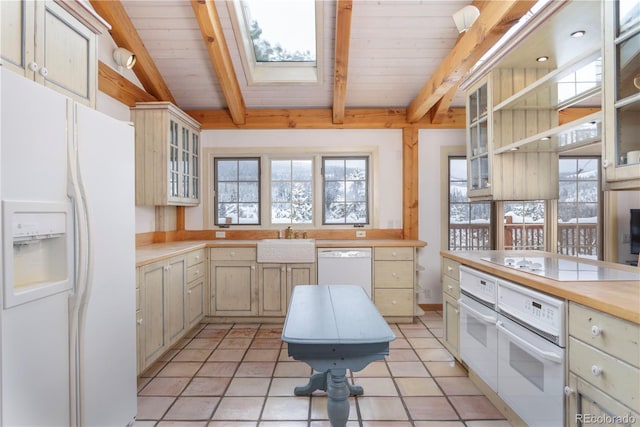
[220, 234]
[361, 233]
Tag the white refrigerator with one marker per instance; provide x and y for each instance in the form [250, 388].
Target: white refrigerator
[67, 318]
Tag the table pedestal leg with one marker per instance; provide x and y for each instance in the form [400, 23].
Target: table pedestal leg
[338, 392]
[319, 382]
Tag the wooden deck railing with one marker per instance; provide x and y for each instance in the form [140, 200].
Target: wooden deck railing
[576, 240]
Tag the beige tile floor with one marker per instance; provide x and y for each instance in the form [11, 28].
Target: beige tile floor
[239, 375]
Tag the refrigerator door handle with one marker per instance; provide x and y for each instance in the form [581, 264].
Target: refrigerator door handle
[83, 272]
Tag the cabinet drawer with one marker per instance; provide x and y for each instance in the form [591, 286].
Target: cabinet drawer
[605, 332]
[233, 254]
[394, 254]
[394, 302]
[195, 272]
[451, 268]
[393, 274]
[451, 287]
[618, 379]
[195, 257]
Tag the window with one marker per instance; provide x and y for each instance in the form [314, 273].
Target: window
[469, 223]
[279, 39]
[524, 225]
[237, 191]
[346, 190]
[291, 191]
[579, 206]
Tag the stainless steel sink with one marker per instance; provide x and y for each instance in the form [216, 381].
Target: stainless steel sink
[287, 250]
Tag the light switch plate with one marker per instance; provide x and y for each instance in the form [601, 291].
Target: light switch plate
[361, 233]
[220, 234]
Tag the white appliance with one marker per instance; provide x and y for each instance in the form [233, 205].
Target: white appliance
[67, 306]
[345, 266]
[531, 354]
[478, 333]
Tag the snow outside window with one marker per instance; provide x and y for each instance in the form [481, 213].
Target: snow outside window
[346, 190]
[237, 191]
[524, 225]
[292, 191]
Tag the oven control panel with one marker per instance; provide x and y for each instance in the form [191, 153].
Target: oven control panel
[480, 285]
[533, 309]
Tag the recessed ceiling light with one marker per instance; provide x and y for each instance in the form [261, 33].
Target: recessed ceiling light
[577, 34]
[542, 59]
[545, 138]
[514, 148]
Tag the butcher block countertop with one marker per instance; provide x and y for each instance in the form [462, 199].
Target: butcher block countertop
[608, 287]
[159, 251]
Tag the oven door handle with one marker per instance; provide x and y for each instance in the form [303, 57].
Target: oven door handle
[544, 354]
[487, 319]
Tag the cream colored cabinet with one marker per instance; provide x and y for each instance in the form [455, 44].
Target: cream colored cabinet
[54, 43]
[621, 49]
[167, 155]
[393, 281]
[196, 278]
[450, 307]
[161, 320]
[604, 368]
[233, 282]
[139, 327]
[276, 282]
[522, 113]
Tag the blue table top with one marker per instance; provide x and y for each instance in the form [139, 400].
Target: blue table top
[334, 314]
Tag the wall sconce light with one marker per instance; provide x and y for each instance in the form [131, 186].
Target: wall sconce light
[124, 58]
[465, 17]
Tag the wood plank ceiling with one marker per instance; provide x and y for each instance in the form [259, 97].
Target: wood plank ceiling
[386, 63]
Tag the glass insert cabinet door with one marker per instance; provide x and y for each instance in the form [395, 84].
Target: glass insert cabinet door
[622, 77]
[478, 138]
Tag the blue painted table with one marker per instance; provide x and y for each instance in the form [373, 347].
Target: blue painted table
[334, 328]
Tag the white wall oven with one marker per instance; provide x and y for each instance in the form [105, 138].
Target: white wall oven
[478, 318]
[531, 354]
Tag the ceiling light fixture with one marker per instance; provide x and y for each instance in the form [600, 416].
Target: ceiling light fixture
[577, 34]
[124, 58]
[545, 138]
[465, 17]
[542, 58]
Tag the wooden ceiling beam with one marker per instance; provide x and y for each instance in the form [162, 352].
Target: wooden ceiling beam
[322, 119]
[341, 62]
[211, 29]
[125, 35]
[494, 21]
[116, 86]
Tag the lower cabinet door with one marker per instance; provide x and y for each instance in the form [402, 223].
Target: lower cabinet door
[195, 302]
[451, 321]
[233, 288]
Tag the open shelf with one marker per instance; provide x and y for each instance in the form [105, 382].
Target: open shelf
[583, 131]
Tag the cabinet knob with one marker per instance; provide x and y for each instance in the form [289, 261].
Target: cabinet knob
[33, 66]
[449, 268]
[197, 257]
[189, 292]
[253, 267]
[455, 310]
[394, 253]
[568, 391]
[394, 302]
[596, 370]
[605, 163]
[282, 269]
[450, 287]
[394, 275]
[167, 267]
[44, 72]
[139, 321]
[596, 330]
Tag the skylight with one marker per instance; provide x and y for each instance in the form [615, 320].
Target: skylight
[278, 39]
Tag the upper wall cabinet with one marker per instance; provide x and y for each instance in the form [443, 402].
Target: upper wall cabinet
[167, 155]
[522, 110]
[621, 22]
[53, 43]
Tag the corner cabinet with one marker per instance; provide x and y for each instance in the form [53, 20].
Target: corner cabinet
[621, 152]
[167, 155]
[54, 43]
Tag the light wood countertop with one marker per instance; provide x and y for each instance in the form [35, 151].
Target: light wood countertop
[159, 251]
[620, 298]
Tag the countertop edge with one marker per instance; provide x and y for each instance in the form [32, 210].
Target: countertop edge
[149, 254]
[621, 300]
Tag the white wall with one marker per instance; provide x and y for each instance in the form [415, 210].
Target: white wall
[626, 200]
[387, 142]
[430, 142]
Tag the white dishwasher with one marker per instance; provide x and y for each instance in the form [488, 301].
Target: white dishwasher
[345, 266]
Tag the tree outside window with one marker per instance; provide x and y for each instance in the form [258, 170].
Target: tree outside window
[291, 192]
[524, 225]
[346, 190]
[237, 191]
